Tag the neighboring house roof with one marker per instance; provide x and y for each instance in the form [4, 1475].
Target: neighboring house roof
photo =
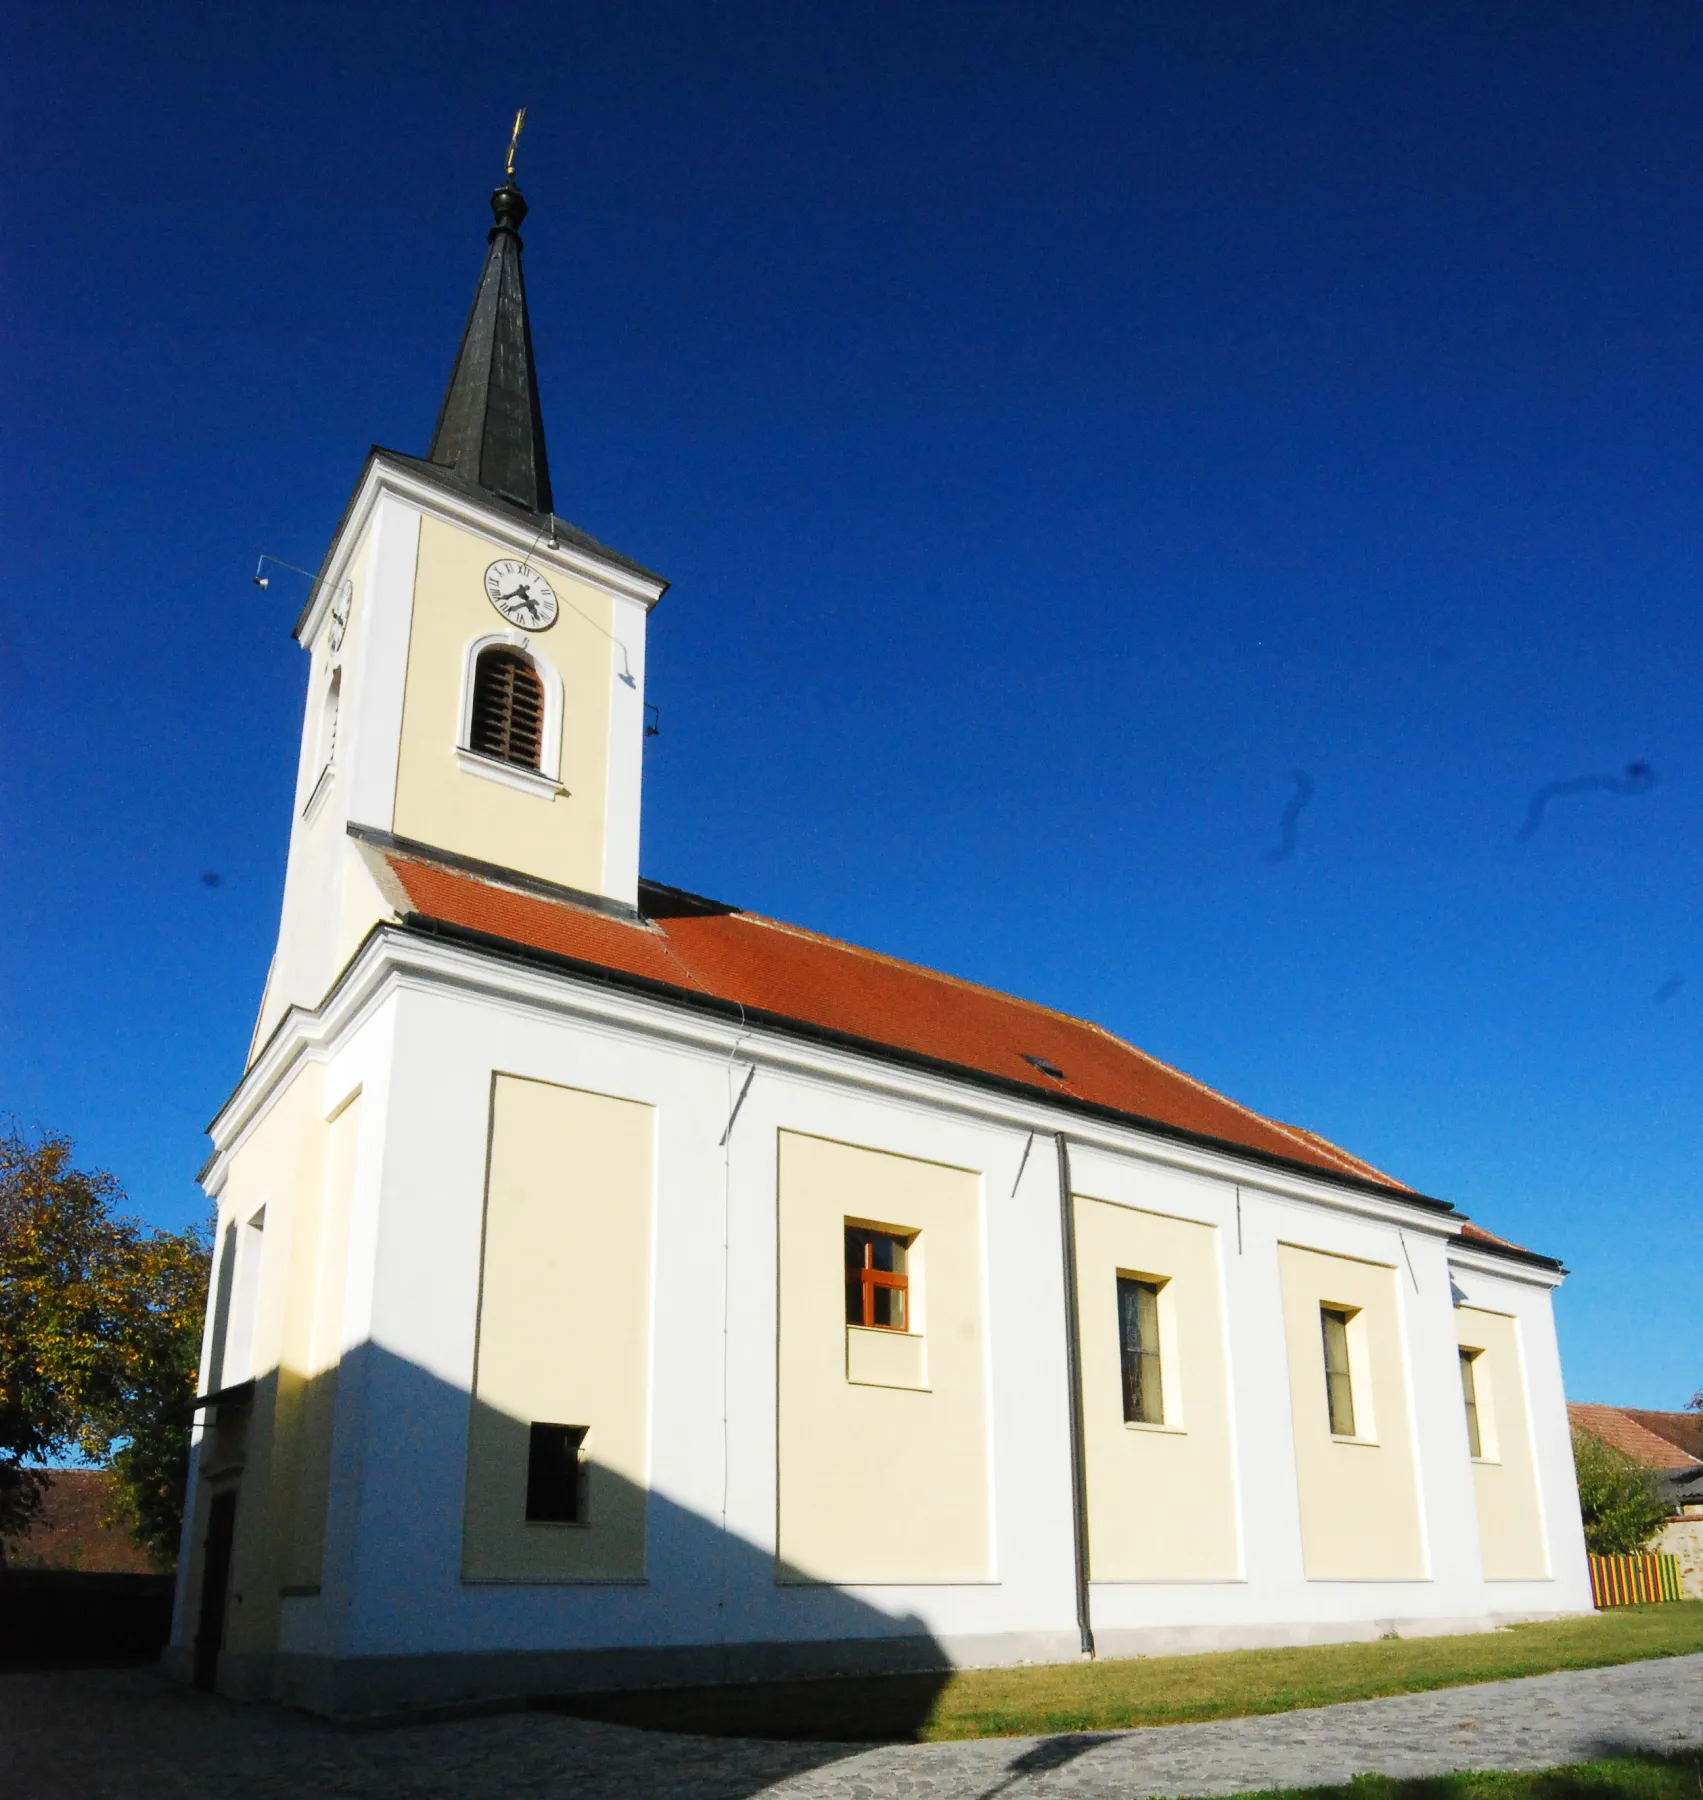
[1619, 1428]
[72, 1531]
[1684, 1486]
[703, 949]
[1684, 1429]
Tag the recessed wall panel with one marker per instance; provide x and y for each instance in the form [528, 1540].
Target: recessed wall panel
[1161, 1495]
[1359, 1493]
[882, 1458]
[564, 1330]
[1510, 1519]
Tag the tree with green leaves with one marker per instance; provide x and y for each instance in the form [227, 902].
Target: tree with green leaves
[1620, 1501]
[100, 1335]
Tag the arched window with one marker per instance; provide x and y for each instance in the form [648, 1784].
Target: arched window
[508, 708]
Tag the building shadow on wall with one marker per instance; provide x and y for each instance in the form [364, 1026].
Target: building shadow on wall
[706, 1632]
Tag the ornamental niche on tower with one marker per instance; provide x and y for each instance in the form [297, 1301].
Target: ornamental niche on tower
[477, 681]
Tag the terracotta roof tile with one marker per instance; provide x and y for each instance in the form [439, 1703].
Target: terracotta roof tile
[1356, 1165]
[1617, 1428]
[73, 1530]
[783, 969]
[1470, 1230]
[1682, 1429]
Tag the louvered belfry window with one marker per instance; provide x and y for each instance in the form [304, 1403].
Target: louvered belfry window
[508, 708]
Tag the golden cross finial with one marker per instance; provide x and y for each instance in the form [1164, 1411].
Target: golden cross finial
[514, 138]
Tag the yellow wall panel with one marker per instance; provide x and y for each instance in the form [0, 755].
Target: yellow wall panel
[1359, 1498]
[1510, 1519]
[308, 1378]
[564, 1329]
[1161, 1498]
[880, 1483]
[281, 1167]
[440, 803]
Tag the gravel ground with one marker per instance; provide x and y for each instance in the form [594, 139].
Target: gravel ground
[108, 1734]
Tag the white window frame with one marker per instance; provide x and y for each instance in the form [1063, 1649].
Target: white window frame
[327, 729]
[545, 781]
[1359, 1374]
[1484, 1397]
[1170, 1354]
[236, 1363]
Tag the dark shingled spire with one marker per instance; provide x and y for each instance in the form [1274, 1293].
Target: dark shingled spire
[490, 428]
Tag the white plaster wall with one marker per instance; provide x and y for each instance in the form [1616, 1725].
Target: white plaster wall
[378, 559]
[407, 1594]
[363, 1060]
[424, 1042]
[626, 750]
[1275, 1592]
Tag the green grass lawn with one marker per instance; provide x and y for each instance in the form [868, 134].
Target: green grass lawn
[1158, 1690]
[1618, 1778]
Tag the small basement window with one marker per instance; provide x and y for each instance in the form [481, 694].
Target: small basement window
[1339, 1386]
[877, 1285]
[508, 708]
[1138, 1340]
[556, 1475]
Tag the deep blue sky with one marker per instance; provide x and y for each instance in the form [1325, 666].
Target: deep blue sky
[1059, 423]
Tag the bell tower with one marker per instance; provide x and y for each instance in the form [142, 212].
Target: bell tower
[476, 679]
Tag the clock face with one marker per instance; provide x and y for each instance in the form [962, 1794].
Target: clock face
[521, 594]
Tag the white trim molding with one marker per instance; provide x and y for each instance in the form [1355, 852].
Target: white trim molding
[325, 734]
[514, 775]
[394, 957]
[1468, 1261]
[382, 477]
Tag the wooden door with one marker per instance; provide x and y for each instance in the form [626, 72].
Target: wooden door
[215, 1586]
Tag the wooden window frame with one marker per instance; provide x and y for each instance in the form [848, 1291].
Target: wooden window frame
[871, 1278]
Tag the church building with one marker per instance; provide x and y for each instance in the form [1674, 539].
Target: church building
[614, 1287]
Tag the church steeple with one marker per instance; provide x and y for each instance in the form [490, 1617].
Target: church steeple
[490, 428]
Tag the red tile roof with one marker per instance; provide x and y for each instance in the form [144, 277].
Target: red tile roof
[73, 1530]
[740, 957]
[1684, 1429]
[1617, 1427]
[1479, 1235]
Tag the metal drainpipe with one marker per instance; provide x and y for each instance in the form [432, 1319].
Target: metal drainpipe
[1073, 1375]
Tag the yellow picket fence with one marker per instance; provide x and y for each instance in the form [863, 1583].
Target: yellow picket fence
[1634, 1580]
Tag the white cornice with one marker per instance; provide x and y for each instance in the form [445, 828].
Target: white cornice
[393, 960]
[1503, 1268]
[382, 477]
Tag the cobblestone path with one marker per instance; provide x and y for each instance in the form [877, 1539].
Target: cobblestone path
[129, 1735]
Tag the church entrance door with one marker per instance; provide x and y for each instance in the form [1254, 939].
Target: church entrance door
[215, 1586]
